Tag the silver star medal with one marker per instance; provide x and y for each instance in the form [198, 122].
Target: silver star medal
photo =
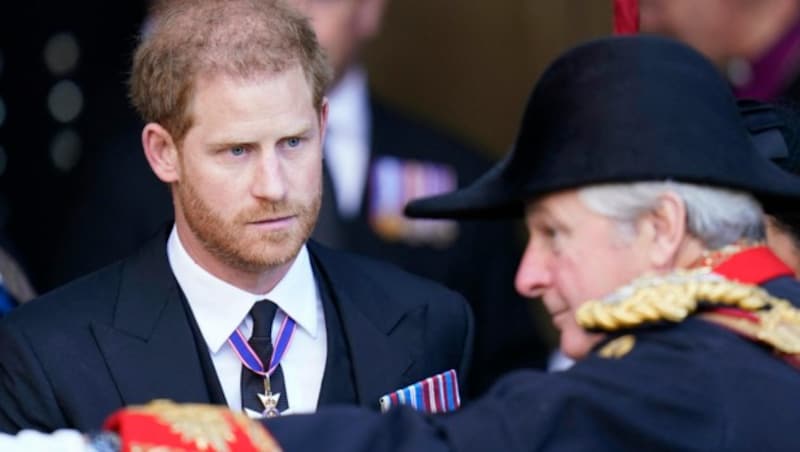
[270, 402]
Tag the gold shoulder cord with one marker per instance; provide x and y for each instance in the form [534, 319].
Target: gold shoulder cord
[675, 296]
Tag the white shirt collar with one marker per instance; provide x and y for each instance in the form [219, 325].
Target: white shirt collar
[219, 307]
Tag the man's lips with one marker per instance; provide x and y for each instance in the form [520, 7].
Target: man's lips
[273, 219]
[273, 222]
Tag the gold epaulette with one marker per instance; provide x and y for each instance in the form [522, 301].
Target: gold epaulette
[675, 296]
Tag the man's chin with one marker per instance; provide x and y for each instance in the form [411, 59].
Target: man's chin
[271, 256]
[578, 344]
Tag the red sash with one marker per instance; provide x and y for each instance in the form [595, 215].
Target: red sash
[756, 265]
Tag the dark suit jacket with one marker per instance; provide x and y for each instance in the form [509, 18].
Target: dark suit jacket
[691, 386]
[122, 336]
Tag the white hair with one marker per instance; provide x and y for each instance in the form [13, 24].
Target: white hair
[715, 216]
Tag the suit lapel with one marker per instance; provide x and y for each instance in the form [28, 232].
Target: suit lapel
[337, 382]
[383, 332]
[150, 349]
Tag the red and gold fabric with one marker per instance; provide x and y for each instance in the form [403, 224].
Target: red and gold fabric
[757, 266]
[724, 286]
[165, 426]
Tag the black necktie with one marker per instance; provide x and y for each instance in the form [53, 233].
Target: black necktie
[262, 313]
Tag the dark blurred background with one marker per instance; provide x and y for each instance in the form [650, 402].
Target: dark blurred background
[62, 72]
[464, 64]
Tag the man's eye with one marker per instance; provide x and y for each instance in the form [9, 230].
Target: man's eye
[238, 150]
[293, 142]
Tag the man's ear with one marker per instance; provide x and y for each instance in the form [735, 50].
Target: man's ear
[161, 152]
[666, 227]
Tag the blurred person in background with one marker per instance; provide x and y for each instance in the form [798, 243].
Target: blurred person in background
[756, 43]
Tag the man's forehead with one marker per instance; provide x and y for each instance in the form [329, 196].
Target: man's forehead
[246, 105]
[219, 73]
[549, 204]
[534, 208]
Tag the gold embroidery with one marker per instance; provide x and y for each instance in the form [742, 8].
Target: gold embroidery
[137, 447]
[675, 296]
[780, 327]
[207, 427]
[711, 258]
[618, 347]
[203, 425]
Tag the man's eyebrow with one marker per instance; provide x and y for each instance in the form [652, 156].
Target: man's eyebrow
[303, 128]
[536, 208]
[226, 144]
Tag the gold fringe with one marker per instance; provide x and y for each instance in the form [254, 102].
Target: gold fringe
[674, 297]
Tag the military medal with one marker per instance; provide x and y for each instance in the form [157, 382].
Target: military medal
[436, 394]
[269, 400]
[251, 360]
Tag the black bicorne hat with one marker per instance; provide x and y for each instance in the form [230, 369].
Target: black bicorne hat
[621, 109]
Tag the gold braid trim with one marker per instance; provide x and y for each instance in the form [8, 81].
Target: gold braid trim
[675, 296]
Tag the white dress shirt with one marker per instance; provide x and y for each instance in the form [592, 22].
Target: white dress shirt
[219, 308]
[347, 140]
[558, 361]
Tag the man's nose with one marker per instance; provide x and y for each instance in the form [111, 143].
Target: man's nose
[269, 181]
[533, 274]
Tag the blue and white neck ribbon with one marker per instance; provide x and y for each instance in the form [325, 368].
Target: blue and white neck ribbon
[250, 359]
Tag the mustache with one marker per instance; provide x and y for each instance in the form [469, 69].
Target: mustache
[286, 208]
[269, 210]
